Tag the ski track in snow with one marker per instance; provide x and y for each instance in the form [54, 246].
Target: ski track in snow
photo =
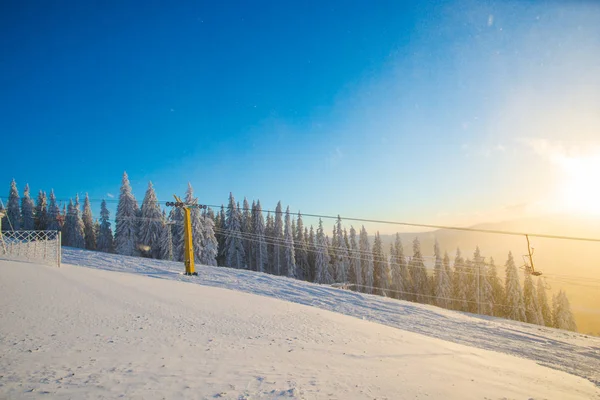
[571, 352]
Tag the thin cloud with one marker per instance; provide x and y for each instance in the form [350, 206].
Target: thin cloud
[110, 195]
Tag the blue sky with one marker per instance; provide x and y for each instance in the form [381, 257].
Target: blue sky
[442, 112]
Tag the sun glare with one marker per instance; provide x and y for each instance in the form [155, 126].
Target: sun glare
[581, 187]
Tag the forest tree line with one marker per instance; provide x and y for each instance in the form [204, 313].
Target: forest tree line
[280, 243]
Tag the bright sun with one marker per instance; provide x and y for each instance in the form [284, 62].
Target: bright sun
[581, 187]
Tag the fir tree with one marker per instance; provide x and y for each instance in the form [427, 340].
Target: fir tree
[260, 254]
[41, 212]
[165, 240]
[105, 235]
[88, 225]
[210, 246]
[486, 289]
[77, 233]
[301, 248]
[53, 213]
[443, 285]
[13, 212]
[497, 289]
[126, 220]
[311, 243]
[270, 238]
[366, 261]
[543, 303]
[380, 281]
[151, 225]
[322, 258]
[27, 209]
[459, 283]
[69, 225]
[220, 234]
[562, 317]
[247, 231]
[515, 307]
[533, 313]
[418, 274]
[340, 253]
[354, 271]
[234, 246]
[278, 241]
[289, 256]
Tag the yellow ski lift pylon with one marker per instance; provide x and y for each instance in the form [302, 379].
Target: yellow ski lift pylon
[188, 252]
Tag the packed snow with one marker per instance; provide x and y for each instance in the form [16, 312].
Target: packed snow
[97, 332]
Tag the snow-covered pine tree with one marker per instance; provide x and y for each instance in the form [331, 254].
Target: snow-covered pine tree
[251, 239]
[27, 209]
[151, 225]
[443, 284]
[13, 212]
[165, 240]
[278, 241]
[41, 212]
[562, 317]
[77, 234]
[88, 225]
[366, 261]
[53, 213]
[196, 222]
[399, 269]
[473, 274]
[289, 253]
[269, 238]
[486, 289]
[247, 231]
[322, 258]
[234, 246]
[418, 274]
[126, 220]
[68, 227]
[354, 271]
[340, 253]
[543, 303]
[221, 235]
[105, 241]
[301, 248]
[497, 289]
[533, 313]
[311, 243]
[210, 246]
[459, 283]
[380, 283]
[514, 304]
[260, 254]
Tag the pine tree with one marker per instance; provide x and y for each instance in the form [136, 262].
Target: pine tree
[126, 220]
[88, 225]
[366, 261]
[289, 256]
[151, 225]
[278, 241]
[322, 258]
[354, 271]
[443, 286]
[533, 313]
[13, 212]
[260, 254]
[27, 209]
[247, 231]
[301, 248]
[418, 274]
[459, 283]
[53, 213]
[220, 234]
[270, 237]
[498, 294]
[210, 246]
[485, 294]
[340, 253]
[196, 222]
[380, 282]
[41, 212]
[311, 243]
[69, 225]
[165, 240]
[77, 233]
[515, 306]
[562, 317]
[105, 236]
[234, 246]
[543, 303]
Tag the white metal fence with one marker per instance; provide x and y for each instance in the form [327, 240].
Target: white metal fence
[39, 246]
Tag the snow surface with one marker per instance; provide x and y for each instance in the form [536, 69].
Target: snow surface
[89, 333]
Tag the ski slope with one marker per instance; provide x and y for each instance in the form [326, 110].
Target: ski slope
[91, 333]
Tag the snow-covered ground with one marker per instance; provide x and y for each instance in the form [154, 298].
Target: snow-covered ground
[89, 333]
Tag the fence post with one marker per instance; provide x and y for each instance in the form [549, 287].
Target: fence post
[58, 248]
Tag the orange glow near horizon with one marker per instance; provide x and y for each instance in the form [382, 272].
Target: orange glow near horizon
[580, 191]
